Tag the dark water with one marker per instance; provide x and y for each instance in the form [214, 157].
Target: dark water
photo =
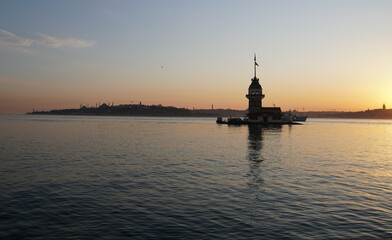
[138, 178]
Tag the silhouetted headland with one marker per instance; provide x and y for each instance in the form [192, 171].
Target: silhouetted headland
[142, 110]
[368, 114]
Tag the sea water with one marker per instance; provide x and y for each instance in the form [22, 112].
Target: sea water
[87, 177]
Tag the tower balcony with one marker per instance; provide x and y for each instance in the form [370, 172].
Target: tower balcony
[255, 96]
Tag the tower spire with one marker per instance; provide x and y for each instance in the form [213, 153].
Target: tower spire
[255, 64]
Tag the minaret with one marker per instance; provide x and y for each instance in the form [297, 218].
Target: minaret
[255, 95]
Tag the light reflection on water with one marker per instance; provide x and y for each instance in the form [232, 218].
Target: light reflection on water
[108, 177]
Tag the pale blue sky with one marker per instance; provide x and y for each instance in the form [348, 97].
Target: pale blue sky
[317, 55]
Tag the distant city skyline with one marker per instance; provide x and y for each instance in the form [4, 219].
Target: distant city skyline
[313, 55]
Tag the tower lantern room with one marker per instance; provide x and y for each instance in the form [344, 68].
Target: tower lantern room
[255, 95]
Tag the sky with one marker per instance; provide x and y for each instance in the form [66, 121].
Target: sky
[312, 55]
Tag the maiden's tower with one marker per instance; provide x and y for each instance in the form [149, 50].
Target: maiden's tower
[256, 112]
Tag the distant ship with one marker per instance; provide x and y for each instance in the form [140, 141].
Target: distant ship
[257, 114]
[299, 118]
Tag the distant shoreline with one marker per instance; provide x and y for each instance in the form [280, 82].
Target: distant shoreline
[368, 114]
[170, 111]
[142, 110]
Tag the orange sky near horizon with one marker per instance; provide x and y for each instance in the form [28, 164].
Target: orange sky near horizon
[22, 97]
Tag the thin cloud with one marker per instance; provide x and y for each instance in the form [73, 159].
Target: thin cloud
[65, 42]
[11, 39]
[12, 82]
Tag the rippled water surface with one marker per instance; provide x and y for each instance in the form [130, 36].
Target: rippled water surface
[189, 178]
